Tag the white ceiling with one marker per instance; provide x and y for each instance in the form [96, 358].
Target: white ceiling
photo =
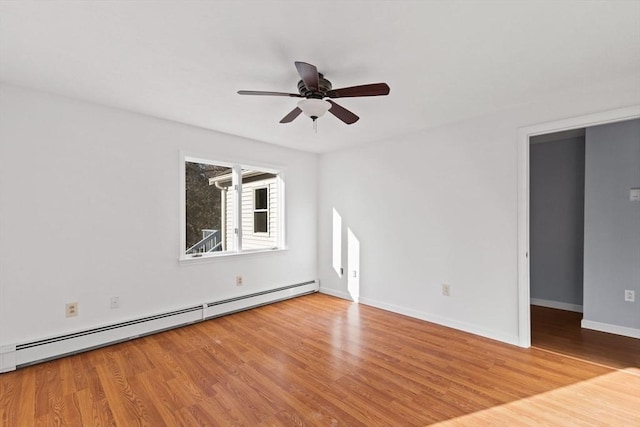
[444, 60]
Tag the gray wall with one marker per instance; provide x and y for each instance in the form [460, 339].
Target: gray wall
[612, 224]
[557, 220]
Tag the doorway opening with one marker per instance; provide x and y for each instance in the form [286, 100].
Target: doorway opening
[524, 215]
[552, 245]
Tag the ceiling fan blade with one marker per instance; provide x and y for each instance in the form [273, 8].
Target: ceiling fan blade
[292, 115]
[374, 89]
[342, 113]
[309, 75]
[261, 92]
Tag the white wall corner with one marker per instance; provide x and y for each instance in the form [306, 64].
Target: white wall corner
[611, 329]
[7, 358]
[334, 293]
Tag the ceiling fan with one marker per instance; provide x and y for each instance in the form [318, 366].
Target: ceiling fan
[314, 88]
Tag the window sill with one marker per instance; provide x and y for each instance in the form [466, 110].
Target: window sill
[188, 260]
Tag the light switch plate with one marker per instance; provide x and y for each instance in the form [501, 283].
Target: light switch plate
[634, 194]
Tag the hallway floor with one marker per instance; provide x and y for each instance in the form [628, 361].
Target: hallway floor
[559, 331]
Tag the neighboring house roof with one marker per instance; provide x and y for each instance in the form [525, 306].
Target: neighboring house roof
[247, 176]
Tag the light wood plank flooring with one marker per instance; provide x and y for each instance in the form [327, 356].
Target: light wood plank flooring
[318, 361]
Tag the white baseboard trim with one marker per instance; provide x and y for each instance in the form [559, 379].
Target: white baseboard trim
[443, 321]
[556, 304]
[611, 329]
[23, 354]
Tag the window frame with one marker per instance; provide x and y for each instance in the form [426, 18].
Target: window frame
[265, 210]
[237, 168]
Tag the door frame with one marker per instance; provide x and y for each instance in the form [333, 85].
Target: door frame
[524, 134]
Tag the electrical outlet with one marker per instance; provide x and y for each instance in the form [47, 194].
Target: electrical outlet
[446, 290]
[629, 295]
[115, 302]
[238, 280]
[72, 309]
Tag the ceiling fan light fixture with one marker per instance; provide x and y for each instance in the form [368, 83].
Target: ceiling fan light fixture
[313, 107]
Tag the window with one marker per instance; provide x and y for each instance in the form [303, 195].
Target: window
[261, 210]
[230, 208]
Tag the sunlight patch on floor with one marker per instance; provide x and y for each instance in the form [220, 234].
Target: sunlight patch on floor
[610, 399]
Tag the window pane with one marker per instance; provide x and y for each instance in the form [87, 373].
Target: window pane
[209, 208]
[260, 198]
[260, 222]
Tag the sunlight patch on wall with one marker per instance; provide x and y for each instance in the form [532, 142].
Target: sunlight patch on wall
[337, 243]
[353, 265]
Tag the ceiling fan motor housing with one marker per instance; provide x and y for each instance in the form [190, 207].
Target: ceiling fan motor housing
[324, 87]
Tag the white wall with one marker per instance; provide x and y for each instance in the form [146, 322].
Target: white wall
[441, 207]
[89, 209]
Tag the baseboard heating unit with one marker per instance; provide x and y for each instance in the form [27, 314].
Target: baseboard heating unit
[29, 353]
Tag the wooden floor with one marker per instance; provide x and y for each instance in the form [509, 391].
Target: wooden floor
[560, 331]
[318, 360]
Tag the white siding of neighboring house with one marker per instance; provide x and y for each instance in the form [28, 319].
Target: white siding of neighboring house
[251, 240]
